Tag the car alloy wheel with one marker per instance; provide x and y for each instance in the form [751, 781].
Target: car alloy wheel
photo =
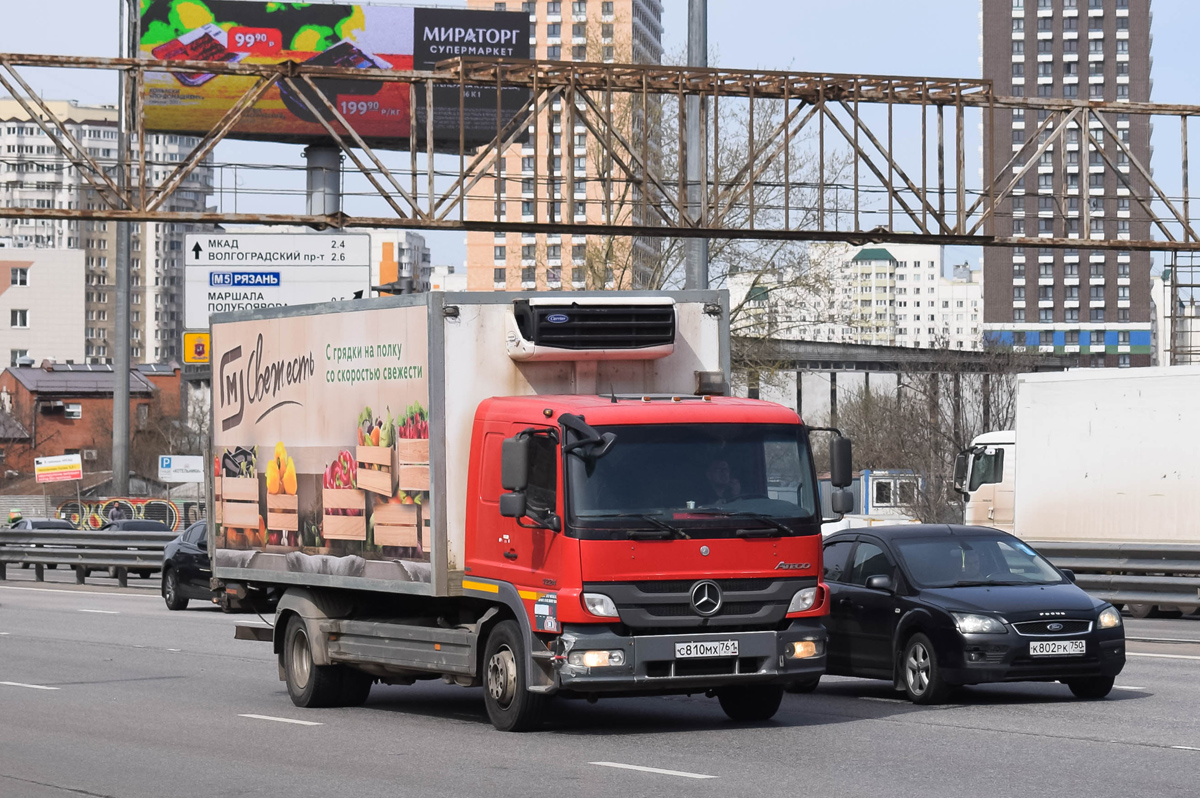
[917, 668]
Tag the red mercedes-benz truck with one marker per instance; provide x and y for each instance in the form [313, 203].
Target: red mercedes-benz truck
[540, 494]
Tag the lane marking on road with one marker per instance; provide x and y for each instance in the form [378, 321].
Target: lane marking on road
[283, 720]
[1185, 748]
[1159, 656]
[30, 686]
[102, 612]
[174, 649]
[68, 591]
[1126, 687]
[1161, 640]
[662, 772]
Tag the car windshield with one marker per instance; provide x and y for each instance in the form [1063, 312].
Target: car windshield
[52, 525]
[696, 477]
[974, 560]
[143, 526]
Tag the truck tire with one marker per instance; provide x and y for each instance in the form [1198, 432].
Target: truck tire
[920, 672]
[751, 702]
[170, 591]
[510, 705]
[1093, 688]
[806, 686]
[310, 686]
[356, 686]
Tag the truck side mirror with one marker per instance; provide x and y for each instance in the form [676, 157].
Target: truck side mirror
[512, 505]
[960, 471]
[841, 501]
[841, 474]
[514, 463]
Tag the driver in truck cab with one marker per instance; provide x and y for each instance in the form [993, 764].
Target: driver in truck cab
[723, 486]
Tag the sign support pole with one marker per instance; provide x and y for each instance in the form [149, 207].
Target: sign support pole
[130, 10]
[696, 265]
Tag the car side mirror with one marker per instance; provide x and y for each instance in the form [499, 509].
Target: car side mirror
[512, 505]
[879, 582]
[841, 473]
[1069, 574]
[841, 501]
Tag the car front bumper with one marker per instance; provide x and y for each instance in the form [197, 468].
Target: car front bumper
[1006, 658]
[764, 657]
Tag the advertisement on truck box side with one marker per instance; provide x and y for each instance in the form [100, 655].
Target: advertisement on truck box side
[321, 445]
[349, 36]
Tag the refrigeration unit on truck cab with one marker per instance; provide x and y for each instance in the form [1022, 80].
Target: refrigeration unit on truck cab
[537, 494]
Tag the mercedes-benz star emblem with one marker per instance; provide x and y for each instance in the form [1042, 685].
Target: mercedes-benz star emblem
[1054, 627]
[706, 598]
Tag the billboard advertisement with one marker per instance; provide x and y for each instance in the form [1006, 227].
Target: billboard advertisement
[321, 434]
[357, 36]
[224, 272]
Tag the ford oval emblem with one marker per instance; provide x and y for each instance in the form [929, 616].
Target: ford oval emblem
[557, 318]
[1054, 627]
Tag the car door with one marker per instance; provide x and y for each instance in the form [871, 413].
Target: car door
[835, 556]
[194, 569]
[869, 615]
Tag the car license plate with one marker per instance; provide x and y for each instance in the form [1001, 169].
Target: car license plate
[1057, 648]
[707, 648]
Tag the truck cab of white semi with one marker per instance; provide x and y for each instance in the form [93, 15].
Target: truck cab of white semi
[985, 475]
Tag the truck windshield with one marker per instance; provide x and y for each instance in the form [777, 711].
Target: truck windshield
[974, 560]
[705, 480]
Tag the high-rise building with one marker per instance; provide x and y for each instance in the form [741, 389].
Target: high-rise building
[36, 175]
[610, 31]
[1095, 303]
[894, 295]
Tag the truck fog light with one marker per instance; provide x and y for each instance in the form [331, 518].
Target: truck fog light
[803, 649]
[596, 659]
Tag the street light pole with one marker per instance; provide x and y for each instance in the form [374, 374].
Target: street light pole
[696, 274]
[127, 110]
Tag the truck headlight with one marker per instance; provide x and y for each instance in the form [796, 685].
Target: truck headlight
[596, 659]
[970, 624]
[1109, 618]
[600, 604]
[803, 600]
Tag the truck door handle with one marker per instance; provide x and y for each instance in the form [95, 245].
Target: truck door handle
[510, 555]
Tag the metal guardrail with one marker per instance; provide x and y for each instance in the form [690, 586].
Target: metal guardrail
[1131, 573]
[84, 551]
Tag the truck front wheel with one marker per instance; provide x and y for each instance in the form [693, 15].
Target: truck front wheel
[312, 686]
[751, 702]
[510, 705]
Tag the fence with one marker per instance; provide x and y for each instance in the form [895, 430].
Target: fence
[84, 550]
[93, 513]
[1132, 573]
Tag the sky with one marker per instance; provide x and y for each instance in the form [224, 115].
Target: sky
[900, 37]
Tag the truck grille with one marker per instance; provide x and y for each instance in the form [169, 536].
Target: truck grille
[571, 326]
[666, 606]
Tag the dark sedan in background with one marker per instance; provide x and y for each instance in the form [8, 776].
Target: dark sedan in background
[134, 525]
[933, 607]
[186, 568]
[31, 524]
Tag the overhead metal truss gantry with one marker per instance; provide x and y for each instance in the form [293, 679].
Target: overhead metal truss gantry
[791, 156]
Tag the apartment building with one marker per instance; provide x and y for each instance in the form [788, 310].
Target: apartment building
[34, 174]
[1093, 303]
[894, 295]
[41, 305]
[610, 31]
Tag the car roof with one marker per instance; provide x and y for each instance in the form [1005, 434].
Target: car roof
[902, 531]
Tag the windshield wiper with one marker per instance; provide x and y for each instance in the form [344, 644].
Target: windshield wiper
[766, 519]
[637, 534]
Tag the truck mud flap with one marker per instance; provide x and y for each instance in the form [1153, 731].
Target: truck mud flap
[263, 634]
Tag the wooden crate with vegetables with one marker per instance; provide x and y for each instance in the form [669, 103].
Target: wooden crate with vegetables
[343, 504]
[376, 454]
[283, 519]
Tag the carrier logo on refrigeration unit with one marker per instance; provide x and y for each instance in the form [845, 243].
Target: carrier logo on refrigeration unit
[558, 318]
[244, 279]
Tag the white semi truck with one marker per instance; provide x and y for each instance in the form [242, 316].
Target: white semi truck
[1101, 474]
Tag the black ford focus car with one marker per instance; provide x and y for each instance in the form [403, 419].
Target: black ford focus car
[932, 607]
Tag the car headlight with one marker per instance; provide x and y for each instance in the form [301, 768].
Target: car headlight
[1109, 618]
[600, 604]
[970, 624]
[803, 600]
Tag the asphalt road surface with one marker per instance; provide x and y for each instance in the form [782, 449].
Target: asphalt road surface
[104, 692]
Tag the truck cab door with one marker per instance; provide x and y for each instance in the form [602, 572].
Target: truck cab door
[520, 551]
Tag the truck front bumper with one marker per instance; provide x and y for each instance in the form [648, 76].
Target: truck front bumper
[651, 666]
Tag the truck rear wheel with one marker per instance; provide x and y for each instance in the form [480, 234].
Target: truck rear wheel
[751, 702]
[510, 705]
[313, 686]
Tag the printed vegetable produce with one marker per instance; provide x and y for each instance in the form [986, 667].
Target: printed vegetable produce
[342, 473]
[414, 423]
[281, 473]
[373, 431]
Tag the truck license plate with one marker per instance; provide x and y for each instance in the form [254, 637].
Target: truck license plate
[707, 648]
[1057, 648]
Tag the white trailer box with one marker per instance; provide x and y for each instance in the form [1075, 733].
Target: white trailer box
[1109, 456]
[342, 431]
